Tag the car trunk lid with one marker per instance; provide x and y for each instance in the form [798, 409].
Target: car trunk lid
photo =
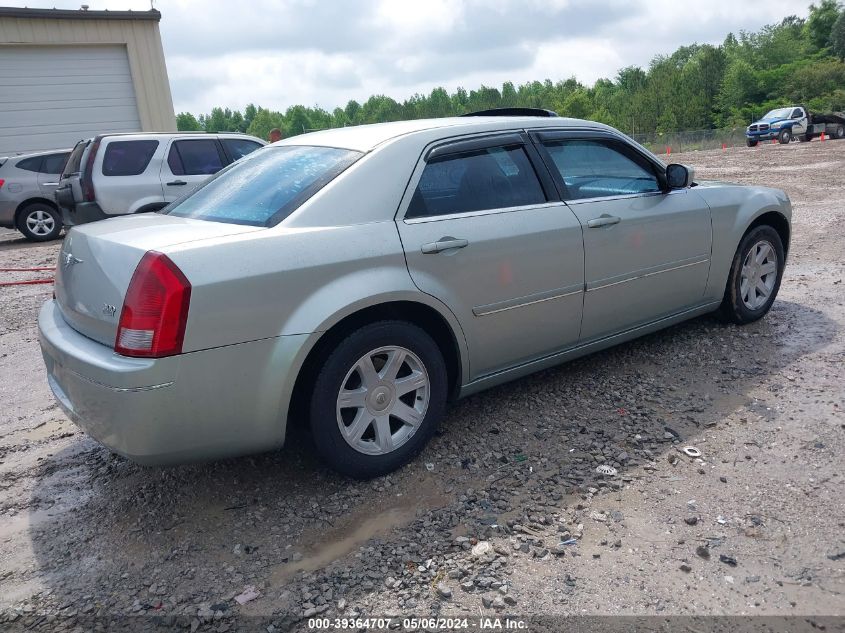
[97, 262]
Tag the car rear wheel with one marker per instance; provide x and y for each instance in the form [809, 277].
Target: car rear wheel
[39, 222]
[378, 399]
[839, 132]
[784, 137]
[755, 276]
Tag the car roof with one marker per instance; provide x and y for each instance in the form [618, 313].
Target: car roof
[17, 157]
[364, 138]
[198, 134]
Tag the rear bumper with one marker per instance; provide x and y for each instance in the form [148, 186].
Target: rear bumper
[82, 213]
[197, 406]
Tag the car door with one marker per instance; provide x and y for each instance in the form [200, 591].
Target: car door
[190, 162]
[51, 169]
[799, 116]
[646, 249]
[484, 232]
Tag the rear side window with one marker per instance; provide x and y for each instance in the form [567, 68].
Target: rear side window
[265, 187]
[30, 164]
[239, 147]
[54, 163]
[200, 157]
[75, 159]
[490, 178]
[600, 168]
[128, 158]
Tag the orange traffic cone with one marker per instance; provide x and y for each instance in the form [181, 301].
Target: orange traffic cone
[668, 150]
[723, 147]
[822, 136]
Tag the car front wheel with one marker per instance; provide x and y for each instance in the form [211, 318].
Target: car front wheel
[39, 222]
[378, 399]
[784, 137]
[755, 276]
[750, 142]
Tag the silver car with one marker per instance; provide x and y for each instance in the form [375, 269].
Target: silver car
[27, 183]
[359, 278]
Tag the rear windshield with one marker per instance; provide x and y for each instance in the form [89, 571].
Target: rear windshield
[266, 186]
[74, 160]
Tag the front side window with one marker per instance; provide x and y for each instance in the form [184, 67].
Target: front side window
[265, 187]
[54, 163]
[797, 113]
[478, 180]
[239, 147]
[599, 168]
[128, 158]
[199, 157]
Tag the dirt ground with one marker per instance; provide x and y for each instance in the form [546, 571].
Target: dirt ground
[504, 512]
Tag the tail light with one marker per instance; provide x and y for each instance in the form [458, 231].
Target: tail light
[155, 311]
[2, 182]
[87, 179]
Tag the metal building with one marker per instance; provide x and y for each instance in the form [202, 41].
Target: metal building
[67, 75]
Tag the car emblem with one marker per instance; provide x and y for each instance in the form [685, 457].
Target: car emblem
[69, 260]
[109, 309]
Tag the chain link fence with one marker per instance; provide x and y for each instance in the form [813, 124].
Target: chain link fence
[691, 140]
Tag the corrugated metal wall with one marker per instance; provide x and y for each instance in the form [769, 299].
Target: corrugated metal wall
[141, 38]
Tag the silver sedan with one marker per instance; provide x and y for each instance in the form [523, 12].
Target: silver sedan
[359, 278]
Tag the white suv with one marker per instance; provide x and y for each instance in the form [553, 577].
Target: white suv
[119, 174]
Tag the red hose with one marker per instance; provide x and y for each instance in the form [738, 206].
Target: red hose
[26, 270]
[26, 283]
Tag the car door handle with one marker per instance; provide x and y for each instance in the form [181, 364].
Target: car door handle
[443, 244]
[50, 184]
[176, 183]
[603, 220]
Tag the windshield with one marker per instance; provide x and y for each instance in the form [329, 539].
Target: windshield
[264, 187]
[780, 113]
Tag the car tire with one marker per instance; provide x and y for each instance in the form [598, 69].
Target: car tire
[393, 378]
[839, 132]
[39, 222]
[805, 138]
[750, 143]
[753, 283]
[784, 136]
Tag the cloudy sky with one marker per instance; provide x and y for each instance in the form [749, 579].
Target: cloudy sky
[278, 53]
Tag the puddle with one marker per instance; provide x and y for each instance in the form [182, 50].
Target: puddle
[338, 542]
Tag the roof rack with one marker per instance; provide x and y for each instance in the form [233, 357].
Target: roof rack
[514, 112]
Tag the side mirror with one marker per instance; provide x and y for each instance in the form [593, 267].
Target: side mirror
[679, 176]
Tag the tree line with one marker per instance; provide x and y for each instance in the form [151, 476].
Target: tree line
[697, 87]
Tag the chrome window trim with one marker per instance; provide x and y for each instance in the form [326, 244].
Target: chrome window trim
[481, 212]
[625, 196]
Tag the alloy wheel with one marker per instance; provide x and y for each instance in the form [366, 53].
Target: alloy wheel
[759, 275]
[383, 400]
[40, 223]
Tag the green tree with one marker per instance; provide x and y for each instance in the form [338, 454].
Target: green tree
[837, 36]
[820, 22]
[187, 122]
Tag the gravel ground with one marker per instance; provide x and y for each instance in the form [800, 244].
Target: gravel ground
[504, 512]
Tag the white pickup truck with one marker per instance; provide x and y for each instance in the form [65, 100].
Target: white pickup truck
[793, 122]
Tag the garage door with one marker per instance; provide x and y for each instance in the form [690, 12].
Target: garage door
[52, 96]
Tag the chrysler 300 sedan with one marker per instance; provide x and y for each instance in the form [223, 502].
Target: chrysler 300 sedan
[359, 278]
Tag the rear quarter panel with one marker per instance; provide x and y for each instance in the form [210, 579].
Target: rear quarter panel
[733, 209]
